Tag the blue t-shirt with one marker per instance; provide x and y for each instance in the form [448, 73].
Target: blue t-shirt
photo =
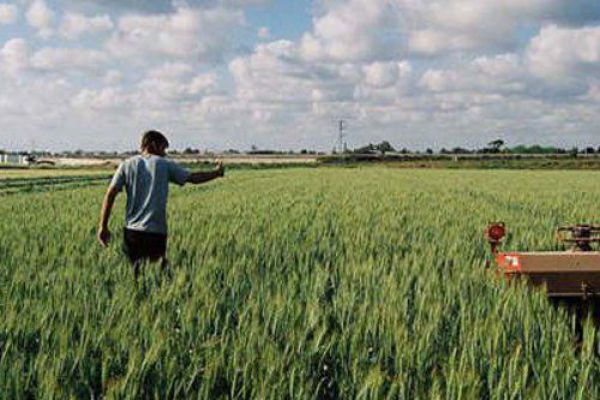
[146, 179]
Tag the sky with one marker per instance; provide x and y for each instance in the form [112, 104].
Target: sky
[279, 74]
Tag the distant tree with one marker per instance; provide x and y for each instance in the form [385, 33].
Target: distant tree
[495, 146]
[266, 151]
[460, 150]
[385, 147]
[429, 151]
[189, 150]
[573, 152]
[589, 150]
[308, 151]
[536, 149]
[496, 143]
[368, 149]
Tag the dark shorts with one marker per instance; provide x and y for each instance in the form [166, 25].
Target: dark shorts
[139, 245]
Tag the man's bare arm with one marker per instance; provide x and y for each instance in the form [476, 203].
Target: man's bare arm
[107, 205]
[202, 177]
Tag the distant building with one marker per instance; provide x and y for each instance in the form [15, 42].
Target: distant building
[14, 159]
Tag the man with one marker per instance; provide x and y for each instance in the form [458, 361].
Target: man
[146, 179]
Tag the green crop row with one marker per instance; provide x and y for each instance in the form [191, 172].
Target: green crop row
[12, 186]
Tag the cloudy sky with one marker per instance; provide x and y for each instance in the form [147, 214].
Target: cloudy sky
[224, 74]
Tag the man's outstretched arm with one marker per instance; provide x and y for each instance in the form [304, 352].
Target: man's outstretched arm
[107, 205]
[202, 177]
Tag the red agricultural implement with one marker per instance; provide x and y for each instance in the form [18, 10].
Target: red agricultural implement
[570, 274]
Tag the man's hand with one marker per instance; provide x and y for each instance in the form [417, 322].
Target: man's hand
[219, 169]
[103, 236]
[107, 205]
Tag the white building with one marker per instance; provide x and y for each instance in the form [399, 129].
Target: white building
[13, 159]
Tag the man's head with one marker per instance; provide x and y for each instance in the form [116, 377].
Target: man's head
[154, 142]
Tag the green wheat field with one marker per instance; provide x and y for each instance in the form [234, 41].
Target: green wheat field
[298, 283]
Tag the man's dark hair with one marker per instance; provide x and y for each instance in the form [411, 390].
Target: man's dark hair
[153, 140]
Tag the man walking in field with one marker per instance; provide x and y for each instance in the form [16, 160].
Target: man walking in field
[146, 178]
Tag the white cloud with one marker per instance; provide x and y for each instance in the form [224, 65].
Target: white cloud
[74, 25]
[280, 95]
[170, 88]
[42, 102]
[109, 98]
[498, 75]
[273, 73]
[351, 31]
[432, 41]
[438, 80]
[437, 27]
[64, 59]
[385, 74]
[376, 30]
[565, 54]
[242, 3]
[112, 77]
[14, 56]
[214, 106]
[202, 83]
[169, 71]
[8, 14]
[193, 33]
[502, 66]
[275, 84]
[593, 93]
[41, 17]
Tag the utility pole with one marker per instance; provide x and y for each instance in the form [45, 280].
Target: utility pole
[341, 145]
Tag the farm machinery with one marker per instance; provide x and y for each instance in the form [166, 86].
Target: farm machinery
[572, 274]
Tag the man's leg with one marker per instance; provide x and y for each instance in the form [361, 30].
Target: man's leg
[160, 253]
[142, 247]
[164, 265]
[137, 265]
[132, 247]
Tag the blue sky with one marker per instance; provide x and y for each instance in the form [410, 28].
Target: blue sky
[218, 74]
[286, 19]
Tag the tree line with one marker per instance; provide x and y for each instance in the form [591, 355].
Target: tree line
[494, 147]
